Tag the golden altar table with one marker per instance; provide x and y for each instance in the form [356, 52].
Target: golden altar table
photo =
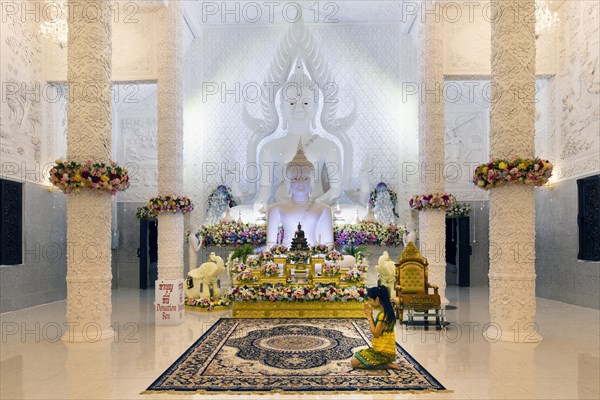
[298, 309]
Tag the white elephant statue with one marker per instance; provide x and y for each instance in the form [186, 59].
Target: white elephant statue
[387, 273]
[202, 280]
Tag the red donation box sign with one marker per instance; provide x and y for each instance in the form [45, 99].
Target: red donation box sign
[169, 302]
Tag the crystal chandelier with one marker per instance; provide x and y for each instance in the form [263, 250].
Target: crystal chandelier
[545, 20]
[55, 27]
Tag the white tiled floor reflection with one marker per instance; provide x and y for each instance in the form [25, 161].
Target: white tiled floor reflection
[34, 364]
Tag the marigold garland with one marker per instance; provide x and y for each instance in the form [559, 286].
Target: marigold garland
[72, 177]
[526, 171]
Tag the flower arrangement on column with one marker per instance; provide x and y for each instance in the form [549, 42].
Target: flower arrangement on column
[170, 204]
[432, 201]
[72, 177]
[524, 171]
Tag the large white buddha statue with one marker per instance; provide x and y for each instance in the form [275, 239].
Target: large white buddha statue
[314, 217]
[299, 109]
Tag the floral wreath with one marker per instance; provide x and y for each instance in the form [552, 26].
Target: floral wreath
[72, 177]
[170, 204]
[527, 171]
[381, 186]
[432, 201]
[221, 189]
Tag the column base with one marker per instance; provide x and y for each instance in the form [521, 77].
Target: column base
[493, 334]
[88, 336]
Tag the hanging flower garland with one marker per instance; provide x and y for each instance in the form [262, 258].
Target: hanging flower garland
[432, 201]
[526, 171]
[72, 177]
[224, 191]
[382, 186]
[145, 213]
[170, 204]
[458, 210]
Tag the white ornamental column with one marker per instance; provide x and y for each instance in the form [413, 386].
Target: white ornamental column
[170, 151]
[89, 135]
[432, 223]
[512, 207]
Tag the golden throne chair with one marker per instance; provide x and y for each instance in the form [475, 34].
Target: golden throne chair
[413, 289]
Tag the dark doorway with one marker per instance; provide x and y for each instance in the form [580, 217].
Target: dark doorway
[148, 253]
[458, 251]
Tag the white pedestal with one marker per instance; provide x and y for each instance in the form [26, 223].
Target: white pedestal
[169, 302]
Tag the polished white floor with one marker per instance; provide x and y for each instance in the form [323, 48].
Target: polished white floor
[34, 364]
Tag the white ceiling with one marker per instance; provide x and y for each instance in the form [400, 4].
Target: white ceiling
[252, 13]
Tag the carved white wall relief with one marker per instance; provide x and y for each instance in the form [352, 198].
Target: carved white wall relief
[466, 123]
[577, 91]
[512, 133]
[467, 41]
[135, 48]
[21, 109]
[139, 153]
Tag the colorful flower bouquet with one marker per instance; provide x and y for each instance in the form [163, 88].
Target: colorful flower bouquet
[265, 257]
[207, 304]
[296, 256]
[269, 269]
[233, 234]
[353, 275]
[331, 269]
[458, 210]
[381, 187]
[278, 292]
[527, 171]
[253, 261]
[237, 267]
[223, 191]
[145, 213]
[319, 249]
[170, 204]
[334, 256]
[245, 276]
[279, 250]
[432, 201]
[364, 268]
[368, 234]
[72, 177]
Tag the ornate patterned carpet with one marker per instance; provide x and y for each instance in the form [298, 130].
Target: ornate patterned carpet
[287, 355]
